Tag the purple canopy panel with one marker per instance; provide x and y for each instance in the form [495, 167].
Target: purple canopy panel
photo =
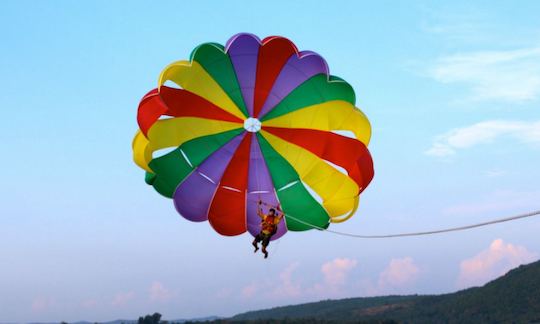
[296, 71]
[260, 186]
[193, 196]
[243, 49]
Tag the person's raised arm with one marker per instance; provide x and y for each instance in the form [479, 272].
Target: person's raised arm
[259, 210]
[281, 214]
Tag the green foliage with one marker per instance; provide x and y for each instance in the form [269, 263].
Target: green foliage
[513, 298]
[150, 319]
[295, 321]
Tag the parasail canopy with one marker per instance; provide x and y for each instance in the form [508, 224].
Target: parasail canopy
[254, 120]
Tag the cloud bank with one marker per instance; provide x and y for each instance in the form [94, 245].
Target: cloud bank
[159, 293]
[399, 273]
[508, 75]
[495, 261]
[482, 133]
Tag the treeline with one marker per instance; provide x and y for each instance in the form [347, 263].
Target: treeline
[513, 298]
[295, 321]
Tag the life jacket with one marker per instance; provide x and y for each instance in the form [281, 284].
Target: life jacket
[268, 225]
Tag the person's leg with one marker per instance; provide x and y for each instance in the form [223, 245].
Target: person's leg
[257, 239]
[265, 243]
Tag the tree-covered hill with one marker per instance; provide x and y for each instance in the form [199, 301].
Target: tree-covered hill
[512, 298]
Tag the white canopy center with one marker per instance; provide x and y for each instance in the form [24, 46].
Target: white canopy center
[252, 125]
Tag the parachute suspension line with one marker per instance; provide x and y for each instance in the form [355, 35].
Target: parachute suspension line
[445, 230]
[431, 232]
[257, 173]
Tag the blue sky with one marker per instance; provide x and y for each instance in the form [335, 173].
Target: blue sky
[452, 92]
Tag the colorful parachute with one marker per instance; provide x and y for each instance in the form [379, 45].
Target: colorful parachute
[254, 120]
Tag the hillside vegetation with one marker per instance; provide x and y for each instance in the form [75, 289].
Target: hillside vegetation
[512, 298]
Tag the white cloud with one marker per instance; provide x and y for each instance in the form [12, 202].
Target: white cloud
[440, 149]
[158, 292]
[250, 290]
[335, 277]
[510, 76]
[398, 277]
[89, 303]
[276, 288]
[42, 304]
[336, 271]
[337, 281]
[465, 31]
[492, 263]
[399, 274]
[459, 25]
[287, 287]
[122, 298]
[482, 133]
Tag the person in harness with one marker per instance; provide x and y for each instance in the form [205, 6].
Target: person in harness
[269, 226]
